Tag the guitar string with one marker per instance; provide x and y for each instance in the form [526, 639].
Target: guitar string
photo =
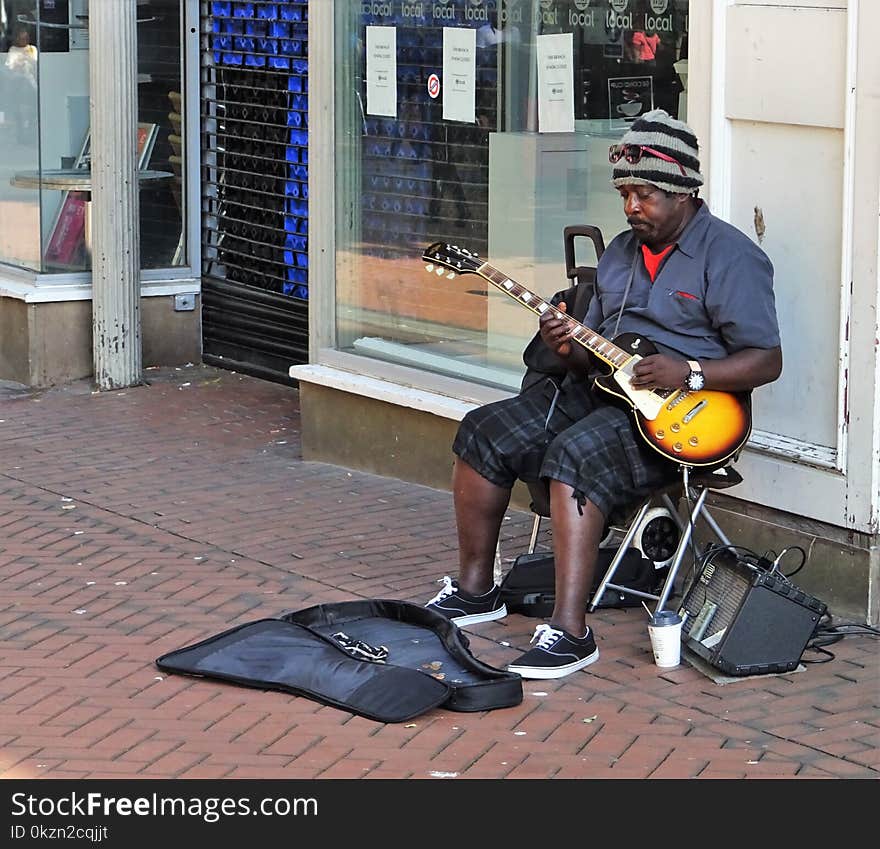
[582, 334]
[614, 355]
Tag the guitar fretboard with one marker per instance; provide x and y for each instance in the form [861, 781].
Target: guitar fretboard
[606, 351]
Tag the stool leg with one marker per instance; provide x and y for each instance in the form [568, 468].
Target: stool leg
[536, 527]
[686, 534]
[707, 518]
[618, 556]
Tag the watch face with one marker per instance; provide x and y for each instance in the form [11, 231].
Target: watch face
[696, 381]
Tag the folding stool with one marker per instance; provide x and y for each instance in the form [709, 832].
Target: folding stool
[665, 543]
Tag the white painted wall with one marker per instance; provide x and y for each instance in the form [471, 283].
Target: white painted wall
[783, 95]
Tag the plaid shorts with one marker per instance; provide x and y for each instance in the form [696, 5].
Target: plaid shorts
[573, 436]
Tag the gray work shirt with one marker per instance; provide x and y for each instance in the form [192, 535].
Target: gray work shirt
[713, 294]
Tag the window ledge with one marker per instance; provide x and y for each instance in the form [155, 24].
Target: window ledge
[42, 289]
[382, 390]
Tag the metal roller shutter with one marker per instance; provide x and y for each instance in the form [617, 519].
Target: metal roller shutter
[255, 185]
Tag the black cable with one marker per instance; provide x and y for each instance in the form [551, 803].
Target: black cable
[740, 553]
[828, 634]
[778, 560]
[829, 656]
[862, 630]
[767, 562]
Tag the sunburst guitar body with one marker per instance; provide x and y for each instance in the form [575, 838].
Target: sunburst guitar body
[702, 428]
[695, 428]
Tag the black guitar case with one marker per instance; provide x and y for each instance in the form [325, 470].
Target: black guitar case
[382, 659]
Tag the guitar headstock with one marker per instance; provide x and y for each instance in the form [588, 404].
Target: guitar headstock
[454, 259]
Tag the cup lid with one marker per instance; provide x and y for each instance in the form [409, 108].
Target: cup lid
[665, 617]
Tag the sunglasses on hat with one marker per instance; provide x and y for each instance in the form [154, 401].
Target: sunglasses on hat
[633, 153]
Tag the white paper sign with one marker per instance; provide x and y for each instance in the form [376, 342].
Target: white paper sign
[382, 71]
[459, 74]
[555, 83]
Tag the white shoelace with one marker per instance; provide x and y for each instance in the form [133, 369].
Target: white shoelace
[448, 590]
[545, 636]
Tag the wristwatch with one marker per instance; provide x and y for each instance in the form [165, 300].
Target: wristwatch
[695, 379]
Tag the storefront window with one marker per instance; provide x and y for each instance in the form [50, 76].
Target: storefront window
[20, 64]
[442, 135]
[45, 199]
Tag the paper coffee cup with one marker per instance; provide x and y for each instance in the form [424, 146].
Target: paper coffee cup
[664, 630]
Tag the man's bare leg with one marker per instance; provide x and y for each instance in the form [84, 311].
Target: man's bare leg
[576, 541]
[479, 510]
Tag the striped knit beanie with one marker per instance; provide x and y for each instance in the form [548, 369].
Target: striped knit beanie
[659, 130]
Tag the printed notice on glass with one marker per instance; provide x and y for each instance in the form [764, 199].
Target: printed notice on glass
[555, 86]
[459, 74]
[382, 71]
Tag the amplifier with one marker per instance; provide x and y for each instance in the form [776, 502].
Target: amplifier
[746, 620]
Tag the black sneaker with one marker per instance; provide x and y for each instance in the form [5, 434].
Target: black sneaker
[464, 608]
[556, 654]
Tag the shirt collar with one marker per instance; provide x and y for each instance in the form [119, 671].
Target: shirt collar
[693, 232]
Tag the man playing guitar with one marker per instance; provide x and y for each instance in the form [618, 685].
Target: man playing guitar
[699, 293]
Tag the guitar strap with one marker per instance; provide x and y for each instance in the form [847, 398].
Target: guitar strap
[632, 274]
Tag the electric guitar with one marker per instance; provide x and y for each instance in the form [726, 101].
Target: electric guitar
[701, 428]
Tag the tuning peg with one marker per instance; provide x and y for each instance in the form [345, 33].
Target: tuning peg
[429, 267]
[439, 272]
[451, 275]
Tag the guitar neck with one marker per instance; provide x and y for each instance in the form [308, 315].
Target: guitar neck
[606, 351]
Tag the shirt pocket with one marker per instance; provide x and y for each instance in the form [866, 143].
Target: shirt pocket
[683, 310]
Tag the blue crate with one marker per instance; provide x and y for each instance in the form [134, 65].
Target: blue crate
[291, 12]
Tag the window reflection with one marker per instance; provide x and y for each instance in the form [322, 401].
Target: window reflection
[160, 109]
[45, 199]
[19, 71]
[496, 186]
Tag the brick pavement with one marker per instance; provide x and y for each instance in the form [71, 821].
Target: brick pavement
[136, 522]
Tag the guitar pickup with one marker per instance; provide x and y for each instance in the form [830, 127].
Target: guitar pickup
[694, 411]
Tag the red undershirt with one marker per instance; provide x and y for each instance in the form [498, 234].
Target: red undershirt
[652, 260]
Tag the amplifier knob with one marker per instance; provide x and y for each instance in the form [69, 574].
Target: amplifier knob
[678, 447]
[675, 427]
[661, 434]
[693, 441]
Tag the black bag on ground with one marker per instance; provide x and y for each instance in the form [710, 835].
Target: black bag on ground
[529, 586]
[383, 659]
